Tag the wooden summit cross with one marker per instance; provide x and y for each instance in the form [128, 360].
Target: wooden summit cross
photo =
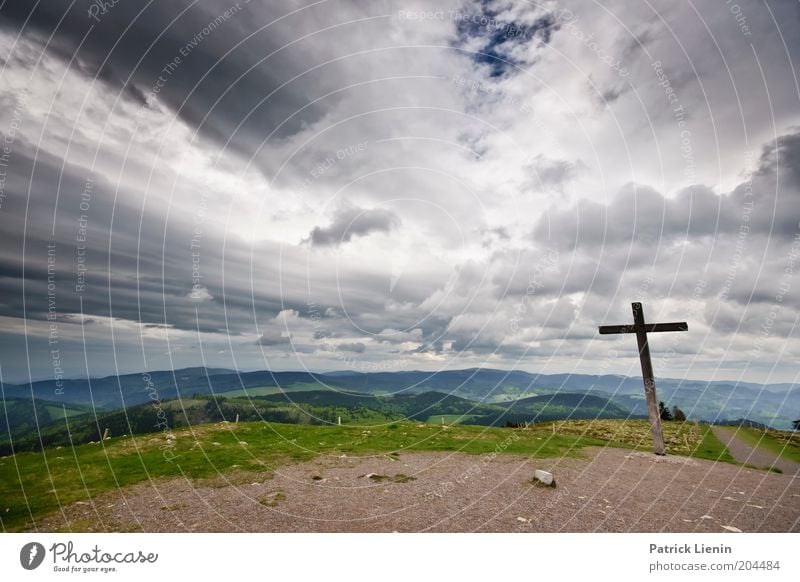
[640, 328]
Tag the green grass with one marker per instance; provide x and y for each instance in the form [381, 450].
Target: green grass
[269, 390]
[398, 478]
[784, 444]
[680, 438]
[449, 418]
[710, 447]
[57, 412]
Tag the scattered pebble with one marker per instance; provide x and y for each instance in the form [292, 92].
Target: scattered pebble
[731, 528]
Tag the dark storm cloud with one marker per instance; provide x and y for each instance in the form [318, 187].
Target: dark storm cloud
[484, 288]
[782, 158]
[131, 43]
[140, 275]
[767, 203]
[350, 221]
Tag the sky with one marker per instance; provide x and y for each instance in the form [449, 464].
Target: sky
[391, 185]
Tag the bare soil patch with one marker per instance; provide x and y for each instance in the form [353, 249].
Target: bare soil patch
[611, 490]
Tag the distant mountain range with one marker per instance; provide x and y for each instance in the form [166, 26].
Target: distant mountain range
[478, 396]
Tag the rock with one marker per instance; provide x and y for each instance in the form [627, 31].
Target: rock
[243, 443]
[544, 478]
[706, 517]
[731, 528]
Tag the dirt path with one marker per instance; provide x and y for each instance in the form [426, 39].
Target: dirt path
[610, 490]
[744, 452]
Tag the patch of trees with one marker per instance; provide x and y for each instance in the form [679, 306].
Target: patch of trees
[675, 414]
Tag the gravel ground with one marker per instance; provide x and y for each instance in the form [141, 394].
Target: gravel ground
[744, 452]
[610, 490]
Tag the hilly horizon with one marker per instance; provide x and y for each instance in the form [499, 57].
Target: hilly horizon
[716, 401]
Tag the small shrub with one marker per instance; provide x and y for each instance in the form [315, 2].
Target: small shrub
[401, 478]
[272, 499]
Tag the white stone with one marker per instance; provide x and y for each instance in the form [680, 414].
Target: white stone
[731, 528]
[544, 478]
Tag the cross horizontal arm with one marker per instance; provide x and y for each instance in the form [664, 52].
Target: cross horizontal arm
[647, 327]
[673, 326]
[606, 329]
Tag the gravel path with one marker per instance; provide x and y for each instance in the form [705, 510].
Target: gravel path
[610, 490]
[744, 452]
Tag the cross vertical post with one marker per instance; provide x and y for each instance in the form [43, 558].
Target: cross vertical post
[640, 328]
[649, 380]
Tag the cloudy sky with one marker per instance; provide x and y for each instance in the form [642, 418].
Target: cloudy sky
[397, 185]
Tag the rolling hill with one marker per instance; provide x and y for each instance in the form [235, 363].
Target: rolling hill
[774, 405]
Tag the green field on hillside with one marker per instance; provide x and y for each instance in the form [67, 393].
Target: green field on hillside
[56, 411]
[449, 419]
[269, 390]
